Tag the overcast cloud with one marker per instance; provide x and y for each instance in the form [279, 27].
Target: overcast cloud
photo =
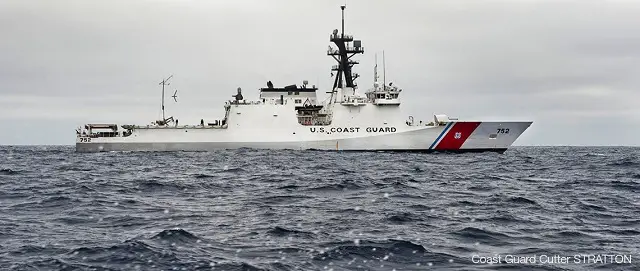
[573, 67]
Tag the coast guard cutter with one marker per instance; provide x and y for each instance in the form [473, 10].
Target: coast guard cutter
[292, 117]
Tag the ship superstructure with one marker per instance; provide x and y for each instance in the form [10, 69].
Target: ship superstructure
[292, 117]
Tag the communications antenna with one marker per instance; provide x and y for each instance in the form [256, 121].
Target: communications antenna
[165, 82]
[384, 72]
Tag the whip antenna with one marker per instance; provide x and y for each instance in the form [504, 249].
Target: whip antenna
[164, 82]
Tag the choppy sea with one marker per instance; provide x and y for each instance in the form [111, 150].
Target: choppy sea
[527, 209]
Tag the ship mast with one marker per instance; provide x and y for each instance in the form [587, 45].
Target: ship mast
[165, 82]
[375, 70]
[384, 73]
[343, 55]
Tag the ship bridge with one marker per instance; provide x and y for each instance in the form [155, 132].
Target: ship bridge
[384, 95]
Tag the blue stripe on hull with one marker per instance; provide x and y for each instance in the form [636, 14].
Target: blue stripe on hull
[441, 134]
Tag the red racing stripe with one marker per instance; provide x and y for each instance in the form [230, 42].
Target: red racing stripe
[457, 135]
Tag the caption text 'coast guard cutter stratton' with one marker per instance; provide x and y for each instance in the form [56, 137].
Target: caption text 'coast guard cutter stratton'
[292, 118]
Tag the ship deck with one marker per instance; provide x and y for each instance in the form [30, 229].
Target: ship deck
[175, 127]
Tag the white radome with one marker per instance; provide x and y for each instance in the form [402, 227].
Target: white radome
[292, 117]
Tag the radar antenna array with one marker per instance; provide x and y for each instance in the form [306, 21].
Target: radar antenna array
[347, 47]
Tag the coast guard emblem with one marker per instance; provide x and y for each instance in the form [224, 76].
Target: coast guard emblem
[458, 135]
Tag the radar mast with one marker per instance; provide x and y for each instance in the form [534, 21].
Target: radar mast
[343, 55]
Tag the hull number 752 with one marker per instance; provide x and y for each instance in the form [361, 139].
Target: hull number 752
[503, 131]
[85, 139]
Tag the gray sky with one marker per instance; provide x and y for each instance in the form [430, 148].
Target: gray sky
[573, 67]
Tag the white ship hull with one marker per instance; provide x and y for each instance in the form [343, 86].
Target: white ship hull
[360, 128]
[421, 140]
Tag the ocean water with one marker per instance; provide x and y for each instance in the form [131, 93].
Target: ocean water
[313, 210]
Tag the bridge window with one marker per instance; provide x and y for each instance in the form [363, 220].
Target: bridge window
[298, 101]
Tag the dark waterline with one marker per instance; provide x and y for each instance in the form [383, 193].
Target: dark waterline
[312, 210]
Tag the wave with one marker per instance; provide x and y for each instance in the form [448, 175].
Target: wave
[233, 266]
[270, 200]
[8, 172]
[592, 207]
[420, 207]
[570, 235]
[482, 188]
[381, 255]
[401, 218]
[502, 218]
[464, 203]
[175, 236]
[233, 169]
[133, 254]
[484, 236]
[625, 185]
[290, 187]
[202, 176]
[371, 249]
[58, 201]
[624, 162]
[521, 200]
[341, 186]
[285, 232]
[155, 185]
[122, 221]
